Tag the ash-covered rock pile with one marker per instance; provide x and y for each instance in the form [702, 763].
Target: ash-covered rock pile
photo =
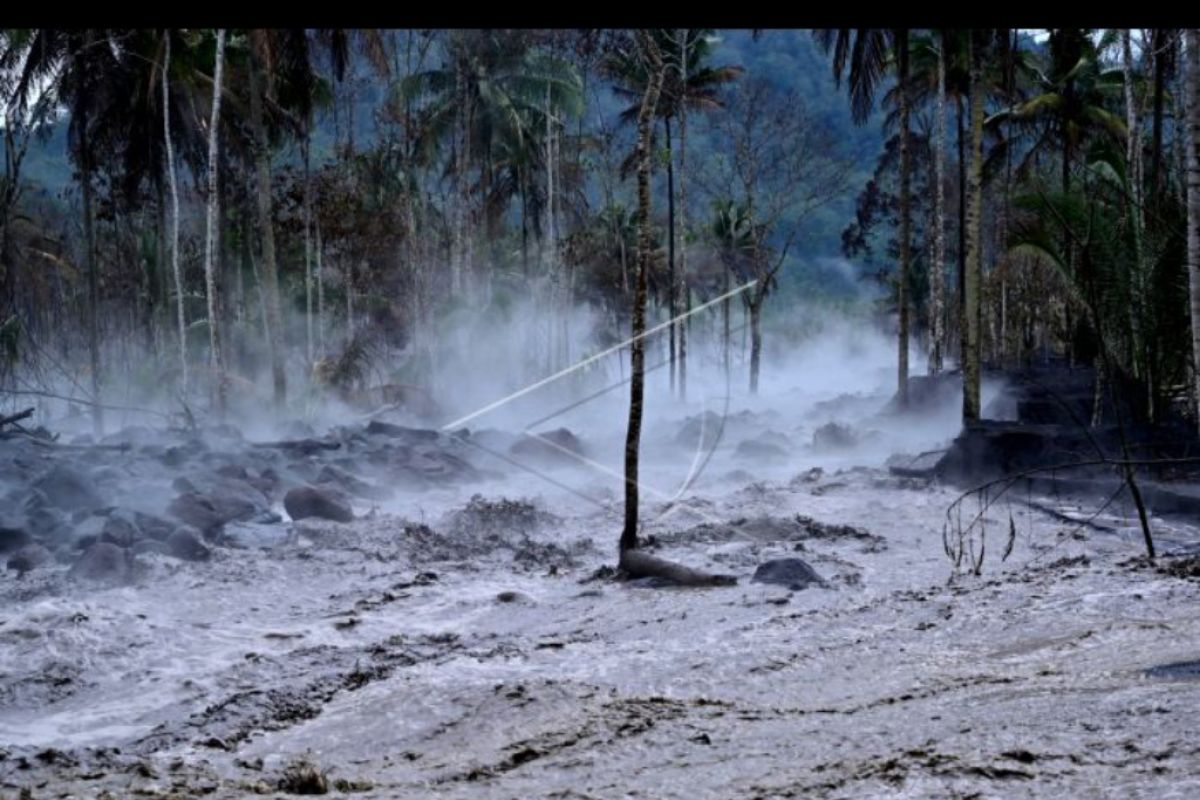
[96, 510]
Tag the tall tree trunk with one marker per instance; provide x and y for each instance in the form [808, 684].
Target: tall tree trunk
[671, 285]
[971, 338]
[905, 221]
[1133, 158]
[937, 284]
[1159, 46]
[211, 232]
[726, 313]
[456, 223]
[755, 307]
[306, 144]
[349, 301]
[89, 237]
[629, 538]
[684, 294]
[162, 288]
[262, 162]
[962, 228]
[175, 269]
[1193, 200]
[320, 294]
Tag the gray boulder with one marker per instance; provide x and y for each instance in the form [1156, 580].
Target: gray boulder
[29, 557]
[13, 539]
[209, 512]
[68, 489]
[793, 573]
[321, 502]
[103, 562]
[185, 544]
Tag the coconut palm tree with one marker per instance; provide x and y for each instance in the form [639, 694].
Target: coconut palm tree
[690, 84]
[867, 54]
[495, 101]
[73, 65]
[655, 71]
[971, 342]
[1193, 199]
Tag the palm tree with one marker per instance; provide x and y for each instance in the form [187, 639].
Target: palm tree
[655, 70]
[935, 48]
[690, 84]
[971, 341]
[868, 53]
[76, 63]
[1192, 46]
[497, 103]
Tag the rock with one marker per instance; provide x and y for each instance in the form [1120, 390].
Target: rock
[409, 435]
[149, 546]
[68, 489]
[154, 527]
[47, 523]
[808, 476]
[13, 539]
[512, 597]
[759, 449]
[235, 471]
[209, 513]
[351, 483]
[321, 502]
[557, 444]
[185, 545]
[29, 557]
[834, 436]
[121, 529]
[103, 562]
[793, 573]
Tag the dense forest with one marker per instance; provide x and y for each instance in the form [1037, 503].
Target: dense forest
[341, 195]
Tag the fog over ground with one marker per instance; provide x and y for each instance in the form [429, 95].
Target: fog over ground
[463, 636]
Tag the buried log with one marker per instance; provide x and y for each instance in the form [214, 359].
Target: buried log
[639, 564]
[20, 415]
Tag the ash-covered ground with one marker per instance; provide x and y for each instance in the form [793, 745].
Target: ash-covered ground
[169, 629]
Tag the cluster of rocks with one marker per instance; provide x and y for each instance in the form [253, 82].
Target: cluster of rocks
[98, 507]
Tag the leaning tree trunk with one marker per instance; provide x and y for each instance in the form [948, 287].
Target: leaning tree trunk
[180, 319]
[210, 236]
[629, 538]
[937, 284]
[1193, 200]
[905, 213]
[973, 307]
[262, 163]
